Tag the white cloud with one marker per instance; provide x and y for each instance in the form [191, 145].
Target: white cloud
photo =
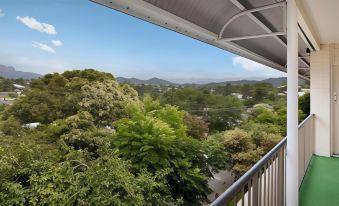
[57, 42]
[248, 65]
[43, 47]
[1, 13]
[256, 68]
[36, 25]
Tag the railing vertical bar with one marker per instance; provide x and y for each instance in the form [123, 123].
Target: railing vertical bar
[307, 139]
[275, 180]
[284, 176]
[265, 191]
[260, 186]
[243, 197]
[280, 179]
[269, 194]
[255, 189]
[249, 193]
[272, 173]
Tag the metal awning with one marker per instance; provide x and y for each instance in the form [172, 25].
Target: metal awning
[254, 29]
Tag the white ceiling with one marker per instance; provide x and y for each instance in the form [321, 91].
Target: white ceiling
[324, 15]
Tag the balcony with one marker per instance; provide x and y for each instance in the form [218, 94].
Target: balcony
[320, 185]
[265, 183]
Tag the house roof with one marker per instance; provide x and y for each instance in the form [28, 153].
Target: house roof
[255, 29]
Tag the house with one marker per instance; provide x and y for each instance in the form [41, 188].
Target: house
[299, 37]
[18, 89]
[18, 86]
[31, 125]
[238, 95]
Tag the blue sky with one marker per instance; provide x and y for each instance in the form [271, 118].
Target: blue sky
[87, 35]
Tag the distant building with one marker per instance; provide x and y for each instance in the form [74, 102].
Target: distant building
[31, 125]
[18, 89]
[238, 95]
[18, 86]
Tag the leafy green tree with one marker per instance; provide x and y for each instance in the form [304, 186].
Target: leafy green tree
[156, 140]
[196, 126]
[79, 132]
[106, 101]
[220, 112]
[57, 96]
[269, 141]
[304, 104]
[106, 180]
[258, 131]
[216, 152]
[11, 126]
[241, 152]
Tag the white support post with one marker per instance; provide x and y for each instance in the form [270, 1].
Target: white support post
[292, 157]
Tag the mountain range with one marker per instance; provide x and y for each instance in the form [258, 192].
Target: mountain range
[10, 73]
[156, 81]
[152, 81]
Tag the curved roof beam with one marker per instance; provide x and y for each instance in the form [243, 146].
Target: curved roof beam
[250, 11]
[240, 6]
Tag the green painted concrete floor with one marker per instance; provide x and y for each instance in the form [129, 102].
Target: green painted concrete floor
[320, 186]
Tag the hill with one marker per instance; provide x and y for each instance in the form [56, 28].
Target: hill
[152, 81]
[276, 82]
[10, 73]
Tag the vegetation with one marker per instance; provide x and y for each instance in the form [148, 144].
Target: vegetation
[6, 85]
[100, 143]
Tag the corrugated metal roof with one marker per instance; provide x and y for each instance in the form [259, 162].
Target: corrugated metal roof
[204, 20]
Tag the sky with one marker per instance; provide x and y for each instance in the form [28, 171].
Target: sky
[45, 36]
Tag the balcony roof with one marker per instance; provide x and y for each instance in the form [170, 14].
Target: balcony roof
[254, 29]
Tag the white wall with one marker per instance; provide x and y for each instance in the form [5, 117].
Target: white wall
[321, 69]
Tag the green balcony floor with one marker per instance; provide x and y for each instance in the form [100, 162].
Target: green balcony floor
[320, 186]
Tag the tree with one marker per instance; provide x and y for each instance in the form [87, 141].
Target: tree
[304, 103]
[216, 152]
[79, 132]
[57, 96]
[106, 101]
[220, 112]
[196, 126]
[106, 180]
[11, 126]
[156, 140]
[241, 152]
[269, 141]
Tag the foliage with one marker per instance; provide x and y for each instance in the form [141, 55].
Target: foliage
[216, 152]
[11, 126]
[241, 152]
[106, 101]
[55, 96]
[196, 126]
[100, 143]
[221, 112]
[304, 103]
[104, 181]
[156, 140]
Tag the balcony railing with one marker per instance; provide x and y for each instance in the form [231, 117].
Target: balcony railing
[264, 183]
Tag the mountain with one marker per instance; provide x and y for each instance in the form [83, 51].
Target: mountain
[276, 82]
[10, 73]
[152, 81]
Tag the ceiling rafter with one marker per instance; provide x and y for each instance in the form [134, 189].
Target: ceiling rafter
[240, 6]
